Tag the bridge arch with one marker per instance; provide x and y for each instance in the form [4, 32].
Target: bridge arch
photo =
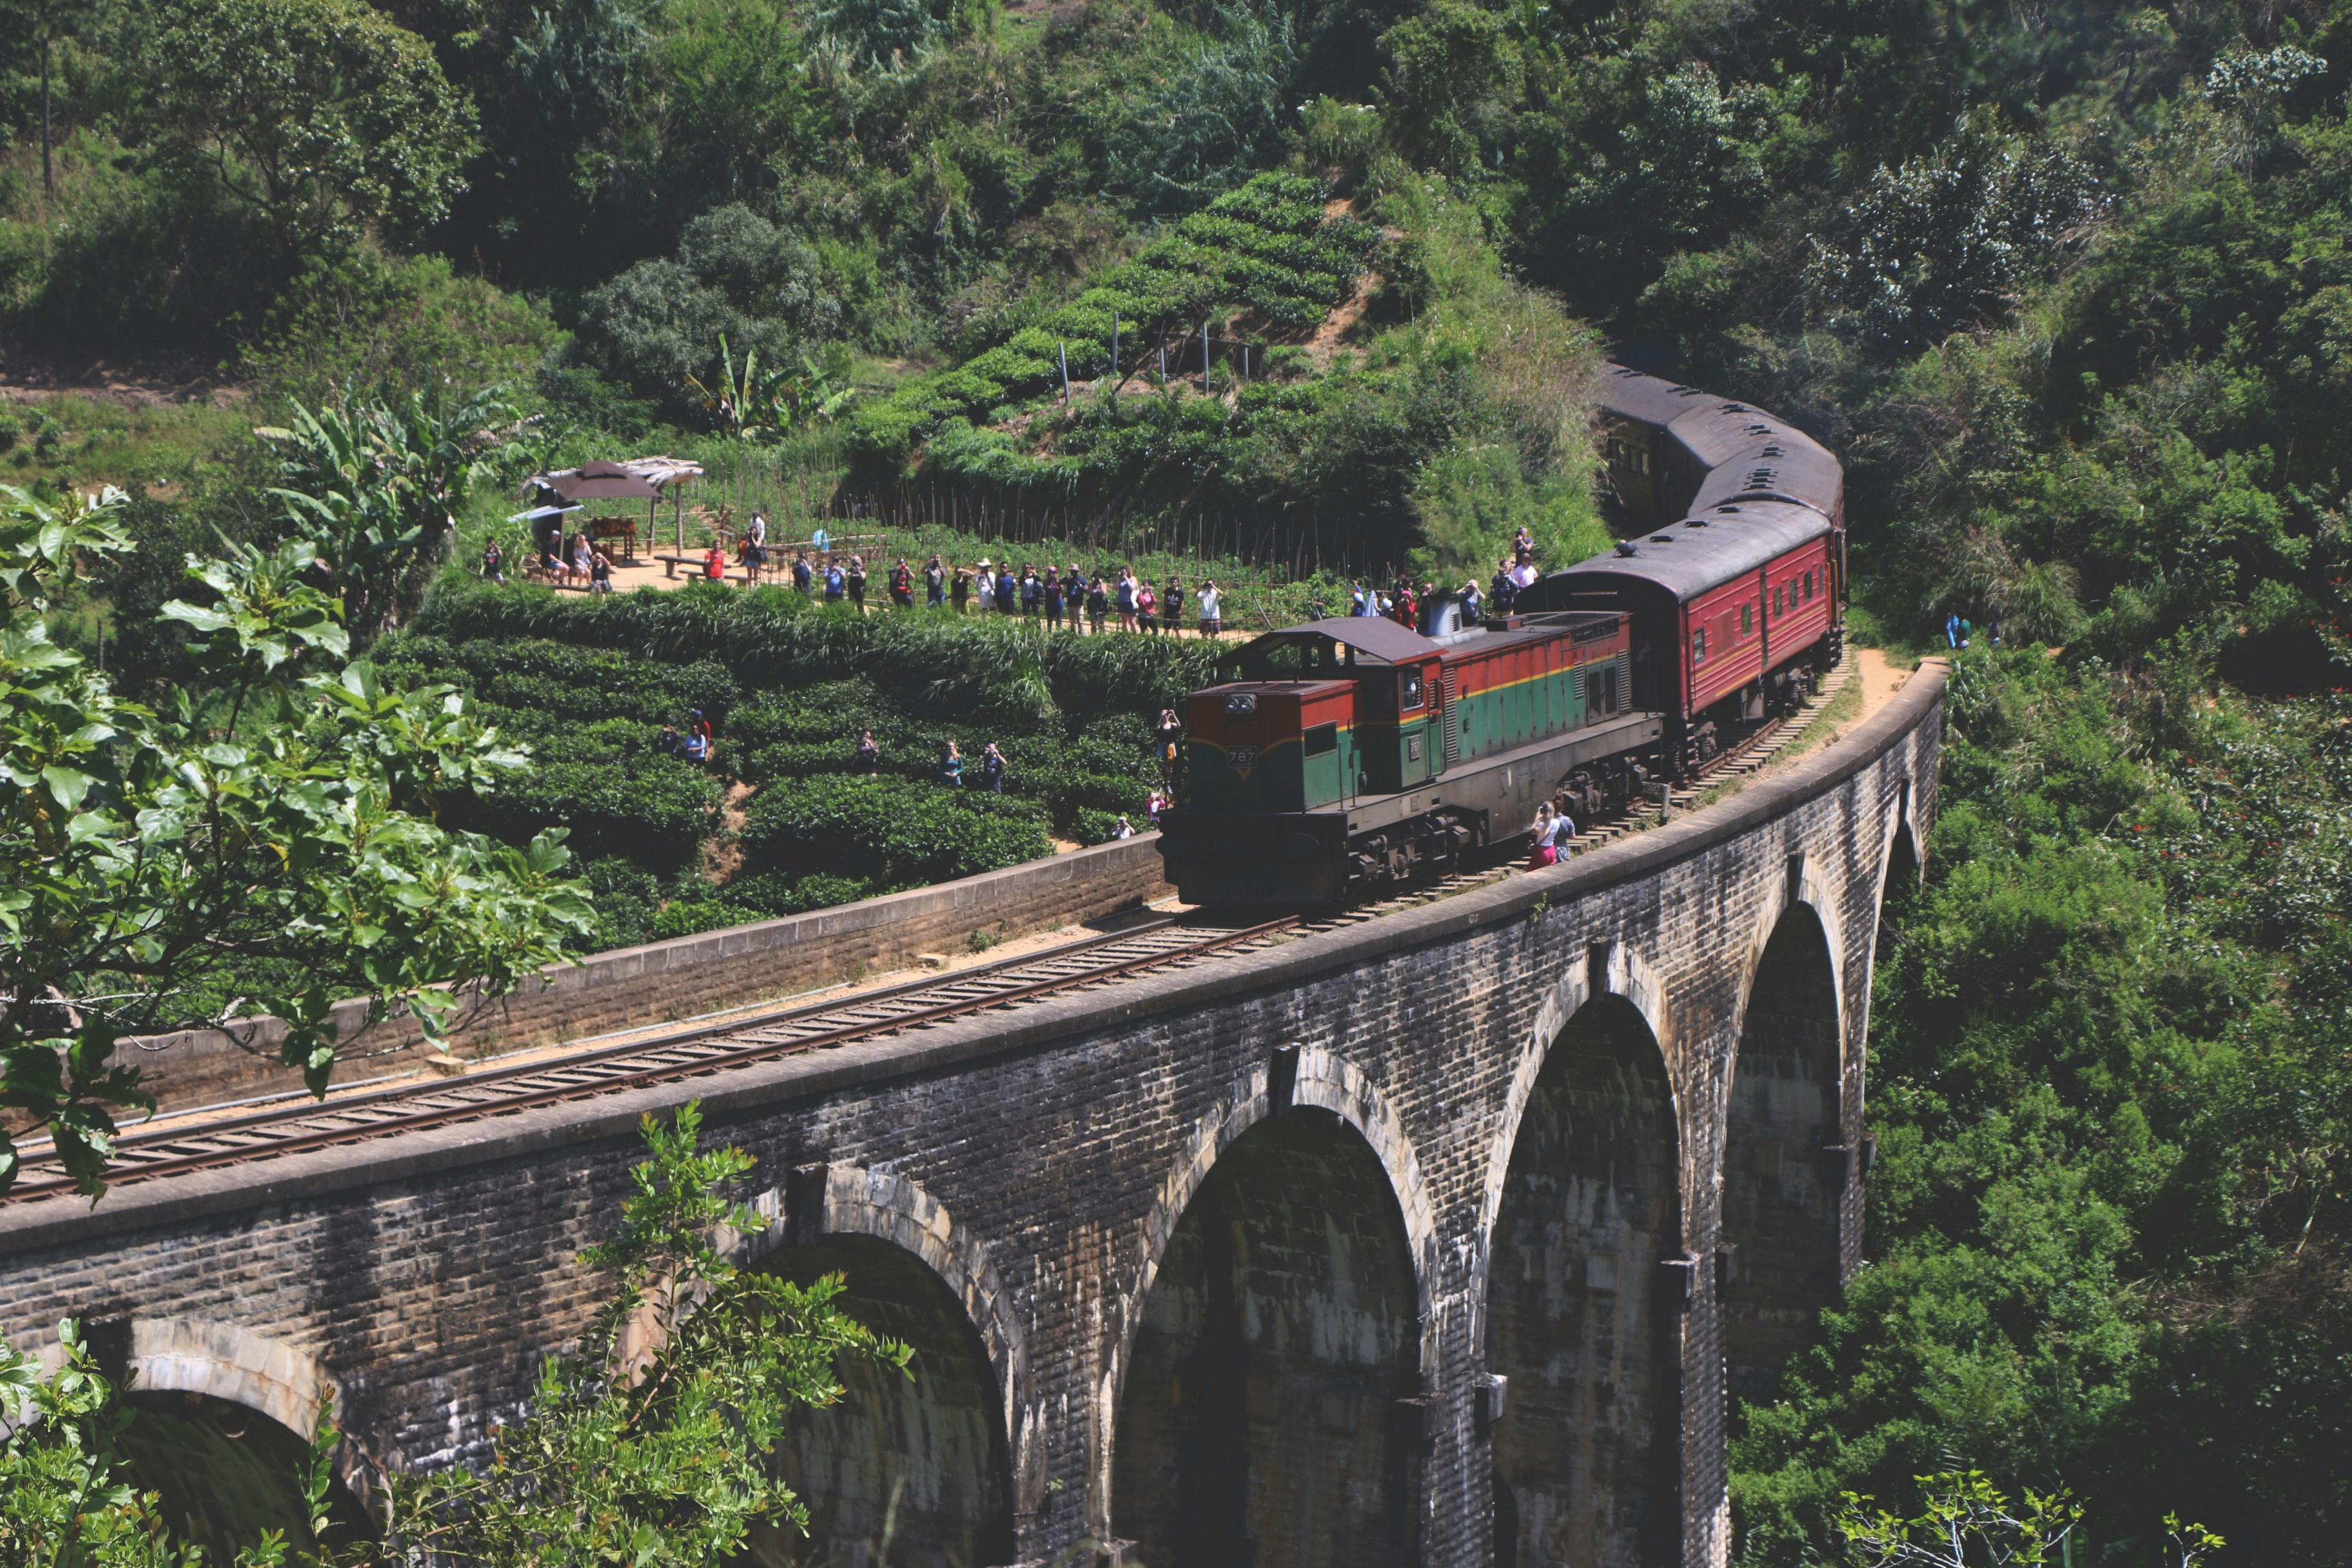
[1280, 1312]
[1326, 1080]
[1787, 1164]
[934, 1464]
[221, 1418]
[1804, 886]
[1586, 1280]
[1610, 969]
[1901, 862]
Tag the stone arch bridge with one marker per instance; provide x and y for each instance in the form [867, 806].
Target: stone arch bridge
[1449, 1237]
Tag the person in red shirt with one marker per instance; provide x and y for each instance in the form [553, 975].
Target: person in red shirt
[714, 562]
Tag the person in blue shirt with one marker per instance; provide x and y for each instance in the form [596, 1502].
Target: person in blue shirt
[951, 767]
[835, 585]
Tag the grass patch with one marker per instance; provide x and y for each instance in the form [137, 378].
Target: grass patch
[68, 441]
[1842, 709]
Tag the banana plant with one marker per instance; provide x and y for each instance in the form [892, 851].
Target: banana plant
[811, 392]
[755, 402]
[373, 486]
[733, 400]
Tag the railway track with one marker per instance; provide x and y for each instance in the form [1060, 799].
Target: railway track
[208, 1139]
[196, 1141]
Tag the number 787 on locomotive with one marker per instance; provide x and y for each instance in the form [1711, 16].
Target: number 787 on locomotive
[1348, 756]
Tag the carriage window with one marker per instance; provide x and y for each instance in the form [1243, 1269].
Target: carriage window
[1746, 619]
[1414, 694]
[1779, 604]
[1809, 587]
[1698, 646]
[1322, 738]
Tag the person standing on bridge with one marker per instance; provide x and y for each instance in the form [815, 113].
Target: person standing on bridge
[1543, 837]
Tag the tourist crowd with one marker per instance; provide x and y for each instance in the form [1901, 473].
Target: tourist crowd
[1102, 599]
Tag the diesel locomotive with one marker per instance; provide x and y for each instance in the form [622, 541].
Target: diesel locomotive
[1348, 755]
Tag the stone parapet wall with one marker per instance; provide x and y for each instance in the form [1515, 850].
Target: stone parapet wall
[684, 977]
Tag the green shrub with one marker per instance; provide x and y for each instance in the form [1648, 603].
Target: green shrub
[591, 720]
[889, 830]
[1091, 826]
[1268, 246]
[627, 896]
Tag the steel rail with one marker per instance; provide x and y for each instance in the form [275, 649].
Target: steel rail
[689, 1054]
[297, 1106]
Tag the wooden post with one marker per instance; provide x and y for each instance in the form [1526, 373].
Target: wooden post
[1114, 343]
[1062, 352]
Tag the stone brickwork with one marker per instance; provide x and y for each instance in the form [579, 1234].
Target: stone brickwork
[1328, 1237]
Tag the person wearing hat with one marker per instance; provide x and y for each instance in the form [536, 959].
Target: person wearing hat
[986, 593]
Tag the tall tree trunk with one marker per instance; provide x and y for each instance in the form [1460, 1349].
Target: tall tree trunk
[48, 180]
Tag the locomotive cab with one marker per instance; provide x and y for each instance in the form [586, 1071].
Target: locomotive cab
[1317, 716]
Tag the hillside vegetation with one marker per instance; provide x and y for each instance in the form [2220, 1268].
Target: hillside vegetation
[2066, 286]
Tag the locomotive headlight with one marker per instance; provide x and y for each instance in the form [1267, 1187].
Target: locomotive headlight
[1242, 705]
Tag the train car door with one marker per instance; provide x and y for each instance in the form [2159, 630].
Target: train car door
[1449, 717]
[1416, 738]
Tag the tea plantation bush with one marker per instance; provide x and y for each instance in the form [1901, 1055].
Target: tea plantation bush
[787, 686]
[890, 830]
[592, 719]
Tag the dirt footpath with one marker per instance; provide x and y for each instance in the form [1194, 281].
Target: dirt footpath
[1880, 680]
